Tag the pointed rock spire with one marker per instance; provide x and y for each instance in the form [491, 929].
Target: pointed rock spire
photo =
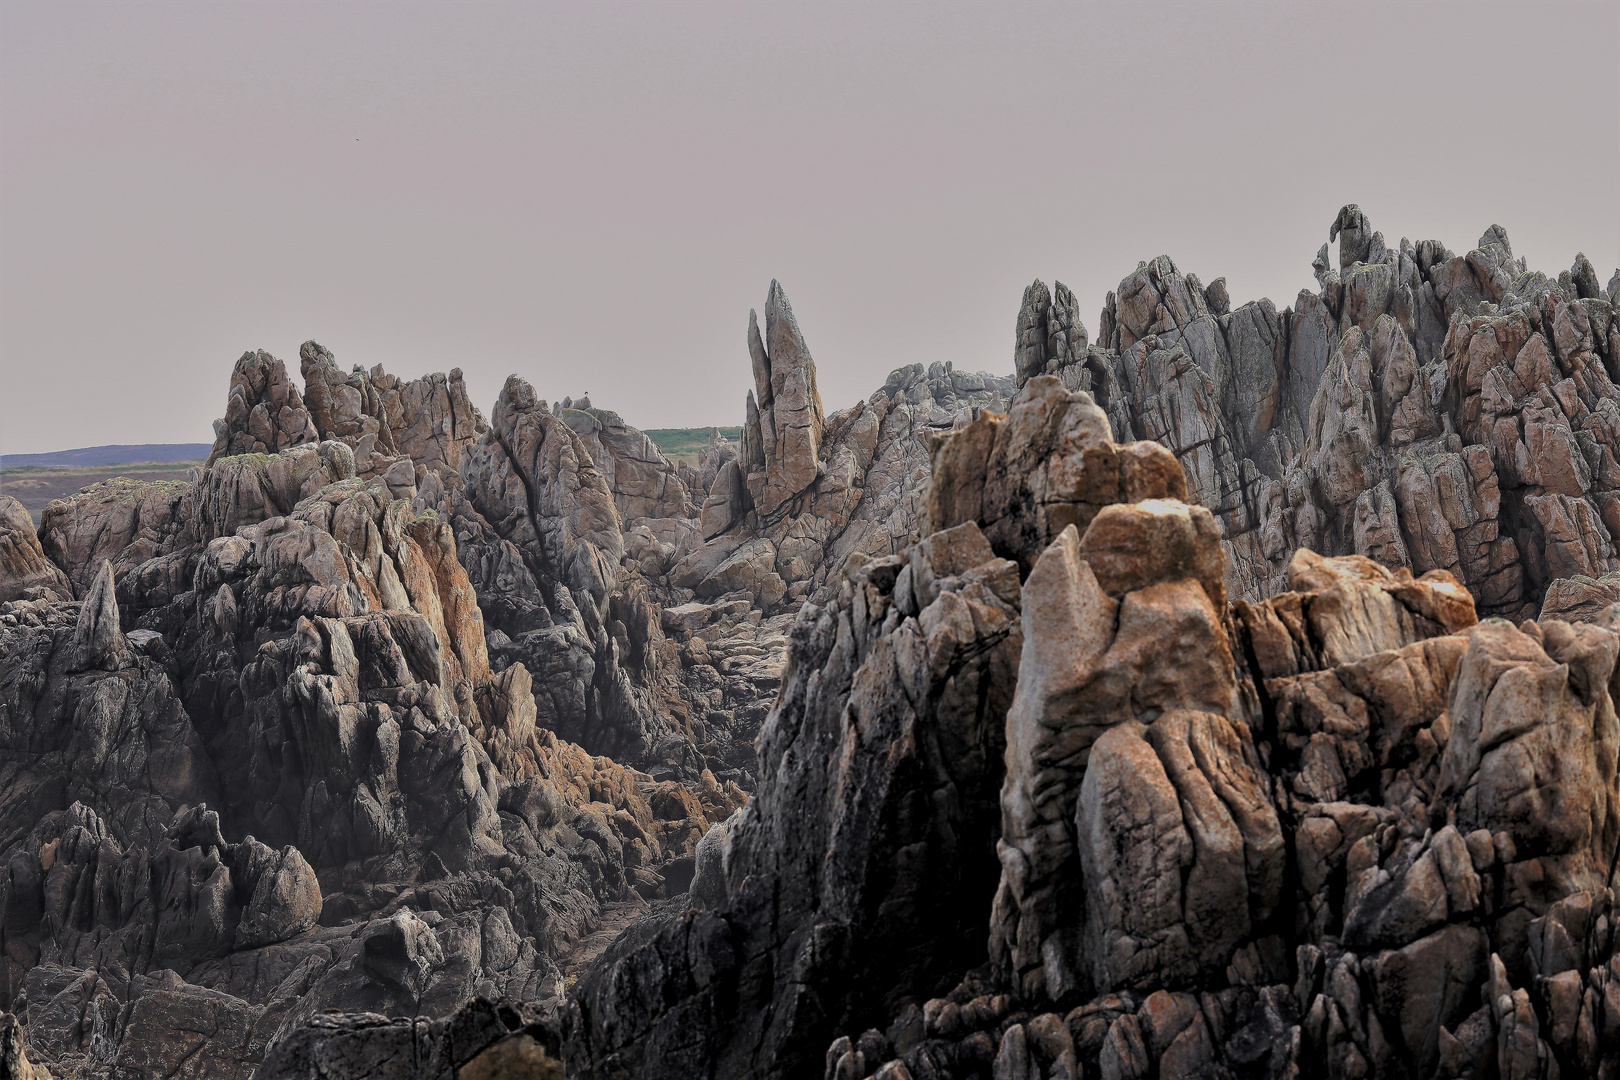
[1029, 348]
[1050, 335]
[98, 640]
[788, 424]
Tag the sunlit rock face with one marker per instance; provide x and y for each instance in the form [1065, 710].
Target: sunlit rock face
[1176, 706]
[1271, 799]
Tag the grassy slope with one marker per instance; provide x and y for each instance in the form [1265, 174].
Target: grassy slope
[687, 444]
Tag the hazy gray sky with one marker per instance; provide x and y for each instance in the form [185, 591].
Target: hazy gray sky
[594, 196]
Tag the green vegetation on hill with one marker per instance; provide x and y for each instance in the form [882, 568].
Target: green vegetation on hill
[687, 444]
[35, 486]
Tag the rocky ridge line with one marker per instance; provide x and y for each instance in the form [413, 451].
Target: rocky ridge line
[1347, 830]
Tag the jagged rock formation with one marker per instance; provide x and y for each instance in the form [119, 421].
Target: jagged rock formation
[425, 422]
[1326, 833]
[25, 572]
[1423, 408]
[482, 1041]
[880, 766]
[1081, 760]
[371, 616]
[264, 767]
[804, 492]
[889, 725]
[128, 521]
[782, 440]
[1443, 907]
[647, 490]
[264, 412]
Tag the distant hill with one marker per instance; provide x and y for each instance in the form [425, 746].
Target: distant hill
[36, 479]
[111, 455]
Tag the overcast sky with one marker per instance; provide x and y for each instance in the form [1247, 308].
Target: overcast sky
[594, 196]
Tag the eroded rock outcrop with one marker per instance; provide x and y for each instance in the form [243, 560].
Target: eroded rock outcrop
[1073, 756]
[264, 411]
[818, 899]
[804, 492]
[264, 769]
[1322, 834]
[395, 427]
[25, 572]
[1424, 408]
[880, 769]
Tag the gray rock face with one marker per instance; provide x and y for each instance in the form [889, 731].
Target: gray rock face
[645, 486]
[1280, 837]
[539, 530]
[25, 572]
[264, 768]
[1324, 831]
[878, 769]
[1073, 757]
[393, 426]
[783, 439]
[863, 494]
[1423, 408]
[132, 522]
[98, 640]
[482, 1041]
[264, 412]
[126, 521]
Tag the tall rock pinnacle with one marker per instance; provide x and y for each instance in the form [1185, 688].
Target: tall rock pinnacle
[788, 426]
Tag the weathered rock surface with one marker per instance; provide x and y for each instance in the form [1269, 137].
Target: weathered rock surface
[1073, 757]
[1322, 834]
[804, 492]
[782, 442]
[646, 487]
[820, 898]
[264, 769]
[878, 797]
[264, 412]
[1326, 833]
[25, 572]
[482, 1041]
[425, 423]
[1423, 408]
